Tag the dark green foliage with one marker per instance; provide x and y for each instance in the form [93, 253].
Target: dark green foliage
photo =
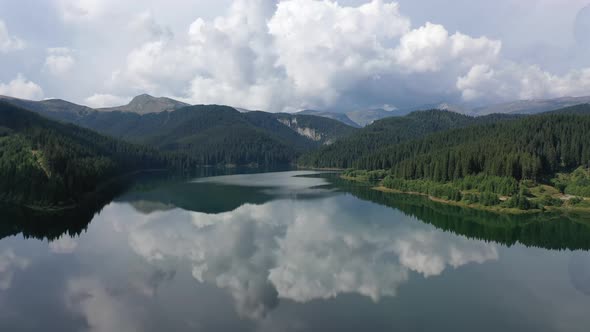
[489, 199]
[389, 132]
[213, 134]
[547, 200]
[519, 201]
[441, 190]
[576, 183]
[49, 163]
[533, 148]
[485, 183]
[370, 176]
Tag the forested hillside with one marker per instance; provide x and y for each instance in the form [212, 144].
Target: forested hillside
[389, 132]
[529, 148]
[221, 135]
[43, 162]
[209, 134]
[534, 162]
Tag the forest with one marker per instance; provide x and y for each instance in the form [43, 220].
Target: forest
[390, 132]
[532, 162]
[46, 163]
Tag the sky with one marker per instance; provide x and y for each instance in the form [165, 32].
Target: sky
[287, 55]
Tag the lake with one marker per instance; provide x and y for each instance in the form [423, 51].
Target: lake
[289, 251]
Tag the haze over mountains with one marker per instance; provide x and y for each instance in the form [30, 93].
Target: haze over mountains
[146, 104]
[531, 106]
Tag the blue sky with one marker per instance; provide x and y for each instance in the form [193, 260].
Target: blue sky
[293, 54]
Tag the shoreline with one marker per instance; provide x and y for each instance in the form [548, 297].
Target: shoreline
[480, 207]
[495, 209]
[68, 207]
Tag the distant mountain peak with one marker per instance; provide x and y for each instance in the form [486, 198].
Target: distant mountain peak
[142, 97]
[145, 104]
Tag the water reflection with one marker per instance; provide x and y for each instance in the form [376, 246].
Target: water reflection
[300, 250]
[551, 231]
[9, 263]
[218, 254]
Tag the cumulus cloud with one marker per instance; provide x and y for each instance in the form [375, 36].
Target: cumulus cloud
[8, 42]
[59, 61]
[430, 47]
[283, 55]
[510, 81]
[9, 264]
[99, 306]
[301, 250]
[293, 54]
[106, 100]
[63, 245]
[20, 87]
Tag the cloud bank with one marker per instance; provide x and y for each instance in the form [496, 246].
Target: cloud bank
[292, 54]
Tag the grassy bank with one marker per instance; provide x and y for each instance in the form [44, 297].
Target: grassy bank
[488, 193]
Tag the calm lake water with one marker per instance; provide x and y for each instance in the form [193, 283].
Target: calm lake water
[290, 251]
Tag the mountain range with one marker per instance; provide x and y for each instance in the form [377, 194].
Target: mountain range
[66, 150]
[362, 118]
[212, 134]
[145, 104]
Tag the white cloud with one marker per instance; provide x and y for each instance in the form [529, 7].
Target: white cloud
[325, 48]
[280, 55]
[59, 61]
[63, 245]
[509, 81]
[430, 47]
[307, 53]
[100, 306]
[9, 263]
[301, 251]
[145, 23]
[106, 100]
[20, 87]
[7, 42]
[77, 10]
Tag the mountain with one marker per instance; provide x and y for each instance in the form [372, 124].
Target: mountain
[211, 134]
[359, 118]
[331, 115]
[389, 132]
[531, 106]
[368, 116]
[531, 147]
[65, 110]
[47, 163]
[146, 104]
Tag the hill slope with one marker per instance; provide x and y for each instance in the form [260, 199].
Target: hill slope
[331, 115]
[532, 147]
[44, 162]
[389, 132]
[52, 108]
[367, 116]
[211, 134]
[532, 106]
